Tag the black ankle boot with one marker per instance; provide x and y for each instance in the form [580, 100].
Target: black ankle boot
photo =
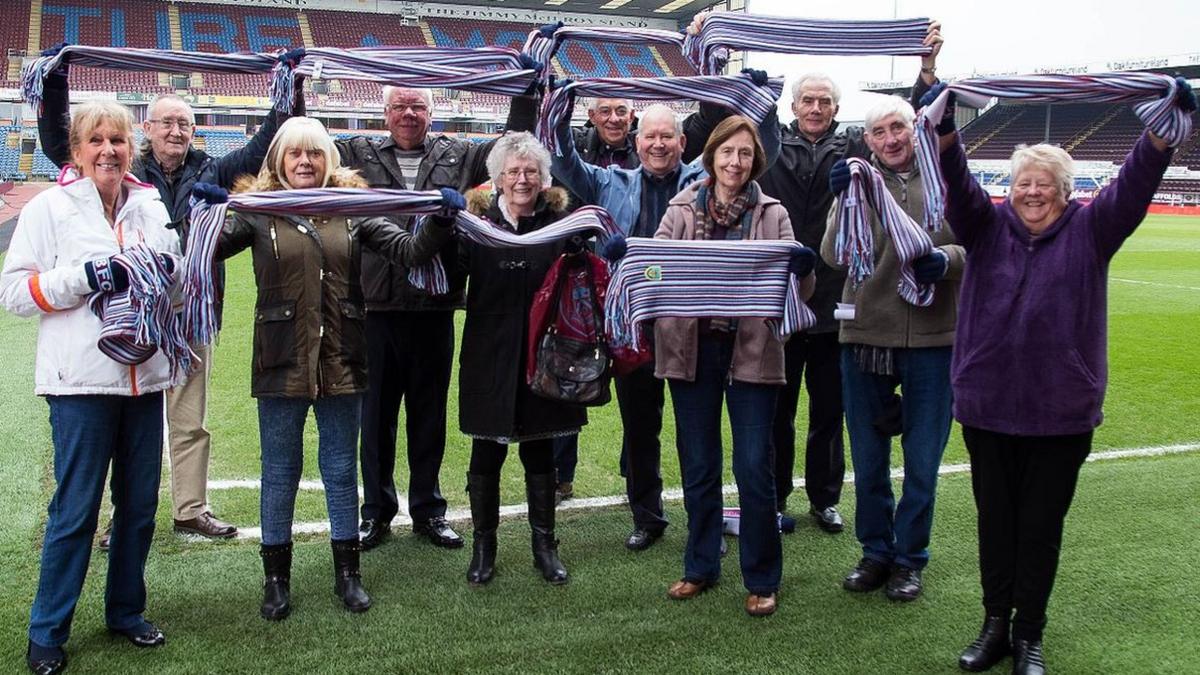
[347, 584]
[1027, 658]
[989, 648]
[277, 588]
[485, 517]
[539, 491]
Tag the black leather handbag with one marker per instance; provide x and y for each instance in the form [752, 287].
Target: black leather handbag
[569, 369]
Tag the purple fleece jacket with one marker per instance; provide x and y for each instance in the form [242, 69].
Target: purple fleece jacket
[1030, 353]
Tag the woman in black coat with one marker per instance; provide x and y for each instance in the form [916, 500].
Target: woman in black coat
[495, 405]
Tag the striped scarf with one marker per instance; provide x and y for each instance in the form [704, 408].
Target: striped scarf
[493, 70]
[1154, 93]
[542, 48]
[129, 58]
[709, 50]
[140, 320]
[698, 279]
[732, 91]
[854, 246]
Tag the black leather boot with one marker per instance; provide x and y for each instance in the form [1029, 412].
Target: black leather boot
[989, 648]
[1027, 658]
[277, 588]
[347, 583]
[539, 491]
[485, 517]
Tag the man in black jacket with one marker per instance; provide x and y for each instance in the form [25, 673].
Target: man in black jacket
[812, 143]
[410, 333]
[168, 161]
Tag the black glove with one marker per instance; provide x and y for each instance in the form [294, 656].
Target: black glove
[292, 57]
[548, 30]
[537, 87]
[759, 77]
[64, 67]
[106, 276]
[803, 262]
[208, 192]
[452, 203]
[946, 124]
[1185, 98]
[839, 177]
[574, 245]
[931, 267]
[614, 249]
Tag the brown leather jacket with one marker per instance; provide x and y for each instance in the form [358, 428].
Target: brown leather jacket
[309, 315]
[757, 351]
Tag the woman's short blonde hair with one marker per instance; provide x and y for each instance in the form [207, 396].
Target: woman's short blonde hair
[304, 133]
[88, 116]
[518, 144]
[1049, 157]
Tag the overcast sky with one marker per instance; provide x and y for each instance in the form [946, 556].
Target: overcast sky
[996, 36]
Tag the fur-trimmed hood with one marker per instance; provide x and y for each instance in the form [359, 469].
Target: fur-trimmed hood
[342, 177]
[553, 198]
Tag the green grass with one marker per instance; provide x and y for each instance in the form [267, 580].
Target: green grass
[1125, 599]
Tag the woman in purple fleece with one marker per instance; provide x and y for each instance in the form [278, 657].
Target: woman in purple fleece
[1029, 365]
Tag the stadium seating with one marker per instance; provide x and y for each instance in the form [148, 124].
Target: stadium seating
[122, 23]
[355, 29]
[14, 31]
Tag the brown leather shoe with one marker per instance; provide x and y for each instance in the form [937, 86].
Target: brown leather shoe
[686, 590]
[762, 605]
[206, 525]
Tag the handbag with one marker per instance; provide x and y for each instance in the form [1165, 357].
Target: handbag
[573, 368]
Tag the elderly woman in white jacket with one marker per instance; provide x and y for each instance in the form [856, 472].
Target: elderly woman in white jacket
[101, 411]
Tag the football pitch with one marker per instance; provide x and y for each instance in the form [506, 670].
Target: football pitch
[1125, 600]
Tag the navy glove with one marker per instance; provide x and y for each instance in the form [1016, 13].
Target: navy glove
[53, 51]
[803, 262]
[614, 249]
[452, 203]
[548, 30]
[106, 276]
[839, 177]
[946, 124]
[931, 267]
[1185, 98]
[759, 77]
[213, 194]
[574, 245]
[292, 56]
[537, 87]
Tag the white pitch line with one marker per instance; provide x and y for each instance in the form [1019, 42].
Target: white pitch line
[1155, 283]
[672, 495]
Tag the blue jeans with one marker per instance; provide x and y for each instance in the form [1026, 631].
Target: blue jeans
[698, 440]
[89, 432]
[890, 533]
[281, 431]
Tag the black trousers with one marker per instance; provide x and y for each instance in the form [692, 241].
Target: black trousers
[487, 457]
[408, 360]
[640, 399]
[1023, 488]
[815, 359]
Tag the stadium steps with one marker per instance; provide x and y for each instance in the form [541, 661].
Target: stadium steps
[173, 24]
[658, 58]
[305, 30]
[1070, 145]
[427, 33]
[979, 143]
[200, 142]
[25, 164]
[34, 44]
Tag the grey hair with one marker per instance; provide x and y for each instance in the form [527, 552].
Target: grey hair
[145, 149]
[889, 105]
[657, 109]
[427, 94]
[834, 89]
[518, 144]
[1049, 157]
[593, 101]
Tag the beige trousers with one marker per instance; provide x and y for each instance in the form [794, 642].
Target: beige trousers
[188, 440]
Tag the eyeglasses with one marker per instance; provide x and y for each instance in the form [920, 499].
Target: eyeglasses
[182, 125]
[529, 174]
[416, 108]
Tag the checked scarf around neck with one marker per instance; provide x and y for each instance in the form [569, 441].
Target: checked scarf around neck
[855, 243]
[1154, 93]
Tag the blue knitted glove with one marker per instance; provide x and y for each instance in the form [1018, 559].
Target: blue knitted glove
[803, 262]
[292, 57]
[213, 194]
[946, 124]
[614, 249]
[106, 276]
[759, 77]
[548, 30]
[839, 177]
[931, 267]
[452, 203]
[1185, 98]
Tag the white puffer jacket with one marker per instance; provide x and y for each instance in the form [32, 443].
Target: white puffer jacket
[58, 231]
